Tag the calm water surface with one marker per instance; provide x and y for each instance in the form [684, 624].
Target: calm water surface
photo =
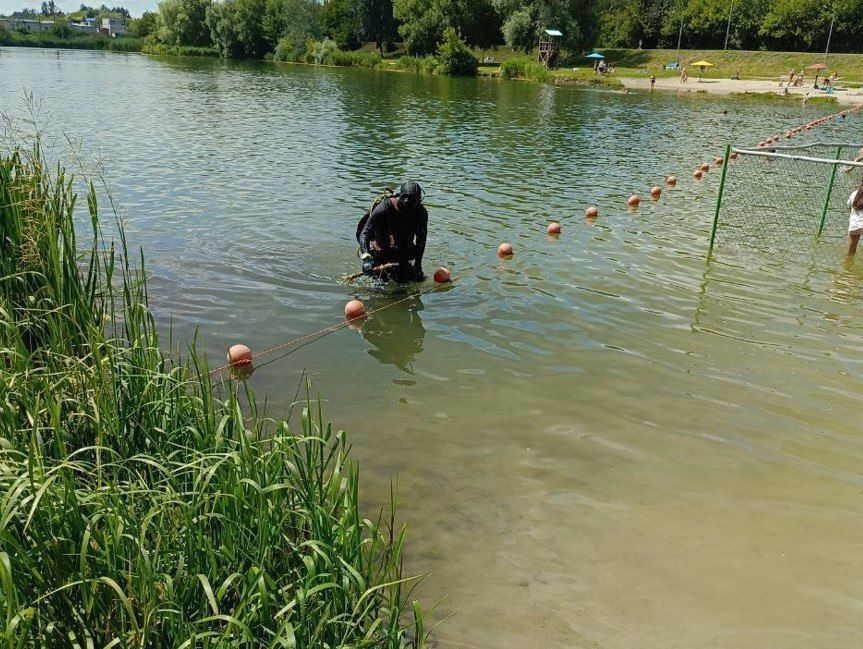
[603, 442]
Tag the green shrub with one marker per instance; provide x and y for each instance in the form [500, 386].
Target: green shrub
[353, 59]
[419, 64]
[160, 49]
[326, 52]
[524, 68]
[287, 51]
[72, 41]
[454, 57]
[317, 51]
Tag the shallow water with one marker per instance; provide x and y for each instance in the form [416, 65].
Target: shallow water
[603, 442]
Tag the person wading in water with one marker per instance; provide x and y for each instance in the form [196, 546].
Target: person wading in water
[394, 231]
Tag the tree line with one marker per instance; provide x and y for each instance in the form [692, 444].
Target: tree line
[259, 28]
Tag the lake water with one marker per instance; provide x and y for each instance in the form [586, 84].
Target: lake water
[605, 441]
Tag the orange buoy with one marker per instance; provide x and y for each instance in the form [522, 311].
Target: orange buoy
[788, 135]
[775, 138]
[355, 309]
[719, 160]
[808, 127]
[553, 228]
[591, 212]
[671, 181]
[705, 166]
[762, 143]
[655, 192]
[733, 155]
[634, 201]
[239, 355]
[504, 250]
[698, 173]
[442, 276]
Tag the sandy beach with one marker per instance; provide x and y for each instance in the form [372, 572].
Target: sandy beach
[731, 86]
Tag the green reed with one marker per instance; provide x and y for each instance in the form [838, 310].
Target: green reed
[141, 506]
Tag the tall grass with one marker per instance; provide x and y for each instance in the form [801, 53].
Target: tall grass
[138, 507]
[160, 49]
[420, 64]
[524, 68]
[74, 41]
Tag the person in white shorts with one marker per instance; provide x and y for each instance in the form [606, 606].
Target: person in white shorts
[855, 221]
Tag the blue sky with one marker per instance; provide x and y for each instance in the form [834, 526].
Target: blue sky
[137, 7]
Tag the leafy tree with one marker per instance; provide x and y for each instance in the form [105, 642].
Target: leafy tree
[251, 27]
[61, 28]
[49, 8]
[377, 22]
[519, 30]
[290, 24]
[796, 24]
[425, 21]
[846, 30]
[222, 23]
[184, 22]
[25, 13]
[523, 20]
[342, 22]
[454, 56]
[422, 26]
[147, 24]
[101, 12]
[237, 29]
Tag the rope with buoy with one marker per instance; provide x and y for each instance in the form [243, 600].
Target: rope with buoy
[241, 356]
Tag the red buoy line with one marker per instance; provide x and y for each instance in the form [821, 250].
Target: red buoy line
[247, 357]
[240, 355]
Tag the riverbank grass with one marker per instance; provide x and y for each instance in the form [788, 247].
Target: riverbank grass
[142, 505]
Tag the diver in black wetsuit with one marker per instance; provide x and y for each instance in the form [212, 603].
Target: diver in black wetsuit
[395, 231]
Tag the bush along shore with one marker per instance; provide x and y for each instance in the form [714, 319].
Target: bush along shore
[141, 505]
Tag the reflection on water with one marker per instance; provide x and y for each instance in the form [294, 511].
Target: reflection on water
[396, 333]
[601, 442]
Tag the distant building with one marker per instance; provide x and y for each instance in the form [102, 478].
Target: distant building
[85, 27]
[15, 24]
[113, 27]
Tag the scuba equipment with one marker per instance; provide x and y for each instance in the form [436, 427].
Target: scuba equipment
[380, 198]
[410, 195]
[394, 229]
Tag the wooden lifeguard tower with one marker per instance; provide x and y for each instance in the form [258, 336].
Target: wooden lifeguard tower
[549, 46]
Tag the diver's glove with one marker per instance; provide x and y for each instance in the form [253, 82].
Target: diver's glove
[368, 264]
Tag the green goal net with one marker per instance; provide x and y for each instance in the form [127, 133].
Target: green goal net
[786, 199]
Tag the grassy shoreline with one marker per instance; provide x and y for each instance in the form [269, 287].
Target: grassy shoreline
[144, 505]
[629, 63]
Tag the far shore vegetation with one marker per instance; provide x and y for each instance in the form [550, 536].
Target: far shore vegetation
[489, 37]
[146, 502]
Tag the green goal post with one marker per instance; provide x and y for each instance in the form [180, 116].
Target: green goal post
[785, 195]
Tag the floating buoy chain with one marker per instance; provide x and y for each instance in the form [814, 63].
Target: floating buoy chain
[240, 355]
[243, 356]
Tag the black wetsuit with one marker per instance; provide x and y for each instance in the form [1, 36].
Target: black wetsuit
[396, 235]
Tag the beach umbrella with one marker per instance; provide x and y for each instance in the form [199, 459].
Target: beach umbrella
[701, 65]
[595, 55]
[817, 67]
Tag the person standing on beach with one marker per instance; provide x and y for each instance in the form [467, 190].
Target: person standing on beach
[652, 81]
[683, 75]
